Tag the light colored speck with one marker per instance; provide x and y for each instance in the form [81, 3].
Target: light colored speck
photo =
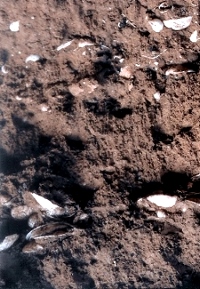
[14, 26]
[157, 95]
[4, 70]
[18, 98]
[160, 214]
[44, 108]
[184, 209]
[32, 17]
[19, 52]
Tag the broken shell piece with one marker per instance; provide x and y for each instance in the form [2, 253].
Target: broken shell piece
[164, 201]
[4, 70]
[47, 206]
[194, 36]
[156, 25]
[32, 57]
[157, 95]
[125, 72]
[85, 43]
[160, 214]
[14, 26]
[8, 242]
[163, 7]
[62, 46]
[21, 212]
[52, 230]
[172, 71]
[178, 70]
[18, 97]
[32, 247]
[178, 24]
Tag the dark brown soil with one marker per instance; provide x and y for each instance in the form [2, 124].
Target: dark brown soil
[103, 143]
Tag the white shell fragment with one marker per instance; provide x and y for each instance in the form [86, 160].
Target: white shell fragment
[125, 72]
[44, 108]
[178, 24]
[4, 70]
[18, 97]
[163, 7]
[8, 242]
[156, 25]
[157, 95]
[85, 43]
[175, 71]
[47, 206]
[194, 36]
[14, 26]
[62, 46]
[164, 201]
[160, 214]
[32, 57]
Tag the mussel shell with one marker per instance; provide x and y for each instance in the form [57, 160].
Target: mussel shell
[51, 230]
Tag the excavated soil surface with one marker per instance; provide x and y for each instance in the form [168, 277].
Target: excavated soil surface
[111, 118]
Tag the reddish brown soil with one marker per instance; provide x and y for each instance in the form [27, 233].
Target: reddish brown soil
[103, 142]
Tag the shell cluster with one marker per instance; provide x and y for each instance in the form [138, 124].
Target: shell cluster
[174, 24]
[35, 209]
